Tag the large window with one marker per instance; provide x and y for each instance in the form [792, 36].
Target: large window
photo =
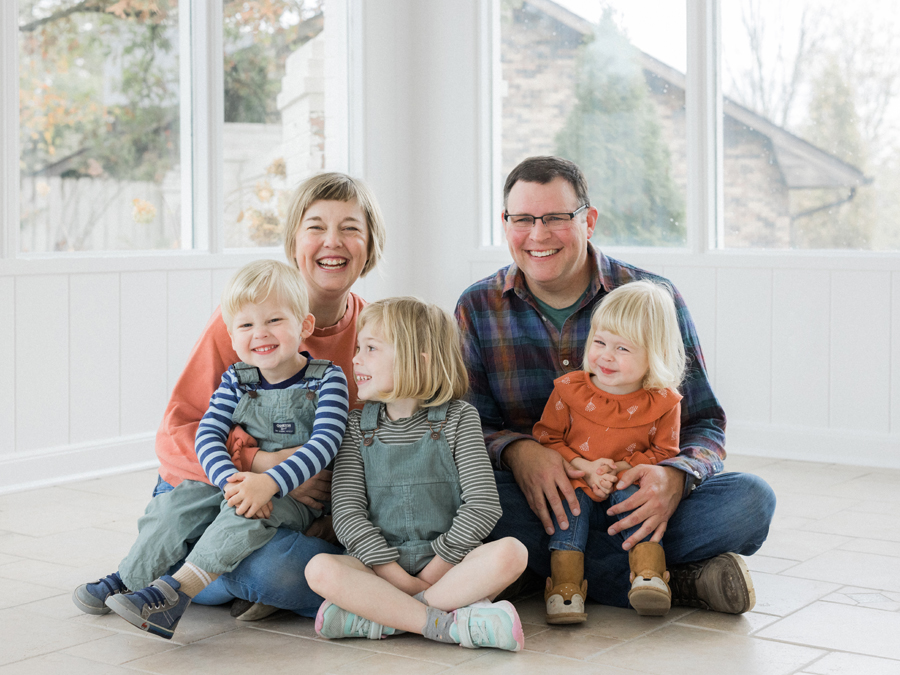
[274, 113]
[602, 84]
[99, 125]
[114, 95]
[811, 124]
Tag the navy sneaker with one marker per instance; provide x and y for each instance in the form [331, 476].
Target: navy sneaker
[156, 609]
[91, 598]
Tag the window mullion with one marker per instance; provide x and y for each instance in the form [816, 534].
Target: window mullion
[207, 125]
[9, 128]
[703, 102]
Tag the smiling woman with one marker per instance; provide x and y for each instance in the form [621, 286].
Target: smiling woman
[334, 234]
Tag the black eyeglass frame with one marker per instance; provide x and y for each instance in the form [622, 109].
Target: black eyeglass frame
[507, 215]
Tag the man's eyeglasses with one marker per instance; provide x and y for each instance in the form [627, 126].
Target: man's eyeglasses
[552, 221]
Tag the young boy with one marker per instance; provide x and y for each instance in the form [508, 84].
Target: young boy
[283, 398]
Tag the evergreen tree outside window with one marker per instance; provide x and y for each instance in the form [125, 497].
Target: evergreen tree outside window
[581, 89]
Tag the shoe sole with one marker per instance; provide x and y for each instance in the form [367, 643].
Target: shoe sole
[517, 632]
[564, 619]
[87, 609]
[743, 582]
[320, 619]
[126, 610]
[650, 602]
[256, 612]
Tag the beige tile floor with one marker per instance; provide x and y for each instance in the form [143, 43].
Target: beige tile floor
[827, 584]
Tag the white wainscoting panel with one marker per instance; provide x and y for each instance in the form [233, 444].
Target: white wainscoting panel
[190, 295]
[94, 356]
[895, 358]
[860, 350]
[8, 347]
[744, 343]
[42, 361]
[801, 306]
[144, 375]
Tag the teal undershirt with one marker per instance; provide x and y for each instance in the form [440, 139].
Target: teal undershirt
[558, 316]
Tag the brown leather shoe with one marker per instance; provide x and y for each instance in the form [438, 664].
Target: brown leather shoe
[720, 584]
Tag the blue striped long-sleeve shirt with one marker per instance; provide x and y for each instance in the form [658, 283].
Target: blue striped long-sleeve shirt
[513, 354]
[329, 425]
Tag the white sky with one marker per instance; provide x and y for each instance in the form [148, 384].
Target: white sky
[657, 27]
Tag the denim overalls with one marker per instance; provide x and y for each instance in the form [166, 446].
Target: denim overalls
[413, 489]
[194, 511]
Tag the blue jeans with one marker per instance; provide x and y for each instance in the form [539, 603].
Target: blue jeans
[575, 538]
[729, 512]
[273, 575]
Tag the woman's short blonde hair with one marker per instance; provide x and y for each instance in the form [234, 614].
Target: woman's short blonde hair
[428, 360]
[337, 187]
[257, 281]
[643, 312]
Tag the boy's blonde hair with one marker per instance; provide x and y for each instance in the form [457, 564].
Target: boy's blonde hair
[414, 327]
[339, 187]
[257, 281]
[643, 312]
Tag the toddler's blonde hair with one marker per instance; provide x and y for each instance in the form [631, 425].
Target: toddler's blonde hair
[257, 281]
[415, 328]
[643, 312]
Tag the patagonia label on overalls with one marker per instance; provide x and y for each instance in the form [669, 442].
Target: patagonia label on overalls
[283, 427]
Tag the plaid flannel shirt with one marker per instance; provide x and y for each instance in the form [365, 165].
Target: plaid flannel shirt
[513, 354]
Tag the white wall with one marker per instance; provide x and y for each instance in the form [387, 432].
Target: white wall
[804, 350]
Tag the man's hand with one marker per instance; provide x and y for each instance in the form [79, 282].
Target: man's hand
[653, 504]
[314, 491]
[254, 491]
[543, 474]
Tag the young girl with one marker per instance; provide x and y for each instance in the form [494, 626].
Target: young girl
[621, 410]
[413, 495]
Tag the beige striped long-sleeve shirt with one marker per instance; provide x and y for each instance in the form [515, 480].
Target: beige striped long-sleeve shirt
[476, 516]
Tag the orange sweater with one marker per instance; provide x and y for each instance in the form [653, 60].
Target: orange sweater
[581, 420]
[201, 376]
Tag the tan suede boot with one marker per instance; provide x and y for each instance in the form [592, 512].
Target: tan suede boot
[650, 594]
[566, 588]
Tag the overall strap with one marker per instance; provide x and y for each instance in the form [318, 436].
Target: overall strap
[439, 412]
[315, 369]
[247, 374]
[369, 419]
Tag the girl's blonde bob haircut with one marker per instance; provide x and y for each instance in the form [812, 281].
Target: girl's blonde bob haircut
[257, 281]
[337, 187]
[428, 360]
[643, 312]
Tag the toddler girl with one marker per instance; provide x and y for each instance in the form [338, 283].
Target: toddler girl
[621, 410]
[413, 495]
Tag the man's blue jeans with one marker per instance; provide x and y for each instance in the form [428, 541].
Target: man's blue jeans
[729, 512]
[273, 575]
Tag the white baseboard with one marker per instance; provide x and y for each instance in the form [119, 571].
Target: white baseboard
[52, 466]
[834, 446]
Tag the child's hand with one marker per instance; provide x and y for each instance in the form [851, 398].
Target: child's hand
[400, 578]
[254, 491]
[436, 568]
[600, 475]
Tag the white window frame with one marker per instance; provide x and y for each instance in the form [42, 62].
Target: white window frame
[202, 115]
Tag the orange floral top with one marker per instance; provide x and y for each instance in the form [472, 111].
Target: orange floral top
[581, 420]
